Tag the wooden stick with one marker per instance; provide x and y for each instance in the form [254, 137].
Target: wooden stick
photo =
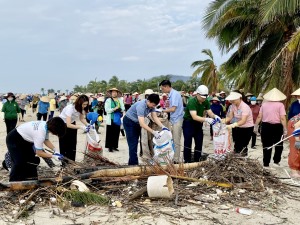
[138, 194]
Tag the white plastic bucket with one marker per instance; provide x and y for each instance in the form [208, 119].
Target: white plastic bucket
[160, 186]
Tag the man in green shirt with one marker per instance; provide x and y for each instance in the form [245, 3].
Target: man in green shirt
[193, 119]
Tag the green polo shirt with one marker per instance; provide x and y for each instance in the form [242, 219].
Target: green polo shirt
[195, 105]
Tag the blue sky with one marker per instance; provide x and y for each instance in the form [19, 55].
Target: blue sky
[60, 43]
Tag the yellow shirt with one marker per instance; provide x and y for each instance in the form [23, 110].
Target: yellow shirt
[52, 104]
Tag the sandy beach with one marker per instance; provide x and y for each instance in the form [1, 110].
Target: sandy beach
[286, 213]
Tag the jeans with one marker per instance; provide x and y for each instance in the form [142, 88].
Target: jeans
[133, 132]
[177, 132]
[192, 129]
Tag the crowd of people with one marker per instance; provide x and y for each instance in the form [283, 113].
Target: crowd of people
[142, 116]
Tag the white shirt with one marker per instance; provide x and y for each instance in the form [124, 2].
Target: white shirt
[35, 132]
[69, 111]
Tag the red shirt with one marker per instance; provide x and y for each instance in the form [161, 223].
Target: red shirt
[255, 111]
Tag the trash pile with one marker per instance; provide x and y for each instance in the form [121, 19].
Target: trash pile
[232, 182]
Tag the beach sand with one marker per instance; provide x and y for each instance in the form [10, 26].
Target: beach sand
[287, 212]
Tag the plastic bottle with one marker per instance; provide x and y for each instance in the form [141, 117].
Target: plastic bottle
[244, 211]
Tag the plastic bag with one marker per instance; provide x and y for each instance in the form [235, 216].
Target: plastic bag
[164, 148]
[221, 141]
[93, 148]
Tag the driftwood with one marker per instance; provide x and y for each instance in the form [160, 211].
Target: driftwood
[138, 194]
[208, 182]
[119, 172]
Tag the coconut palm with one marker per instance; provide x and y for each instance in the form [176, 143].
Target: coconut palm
[258, 30]
[208, 69]
[43, 90]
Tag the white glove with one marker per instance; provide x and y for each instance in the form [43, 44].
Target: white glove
[57, 156]
[210, 121]
[233, 125]
[218, 119]
[156, 134]
[86, 129]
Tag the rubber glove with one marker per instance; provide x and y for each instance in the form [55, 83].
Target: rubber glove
[156, 134]
[57, 156]
[86, 129]
[210, 121]
[217, 119]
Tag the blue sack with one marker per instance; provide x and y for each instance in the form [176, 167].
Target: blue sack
[117, 118]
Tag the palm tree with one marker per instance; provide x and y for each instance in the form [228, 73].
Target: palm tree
[208, 69]
[258, 30]
[42, 90]
[67, 91]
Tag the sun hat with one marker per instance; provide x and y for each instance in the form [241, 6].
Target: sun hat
[148, 92]
[62, 98]
[215, 99]
[164, 94]
[45, 99]
[89, 94]
[249, 94]
[274, 95]
[135, 93]
[108, 93]
[222, 92]
[10, 94]
[297, 92]
[233, 96]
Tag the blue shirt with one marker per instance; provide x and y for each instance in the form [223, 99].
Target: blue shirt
[175, 100]
[294, 109]
[217, 109]
[43, 107]
[139, 108]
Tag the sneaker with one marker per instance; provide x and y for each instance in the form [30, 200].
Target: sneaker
[115, 149]
[268, 168]
[110, 150]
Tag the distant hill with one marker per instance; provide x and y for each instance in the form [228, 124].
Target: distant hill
[179, 77]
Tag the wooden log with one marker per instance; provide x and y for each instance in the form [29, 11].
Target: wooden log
[119, 172]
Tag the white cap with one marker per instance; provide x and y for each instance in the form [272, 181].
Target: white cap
[202, 90]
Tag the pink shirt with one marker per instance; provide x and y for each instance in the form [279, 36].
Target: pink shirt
[242, 110]
[271, 112]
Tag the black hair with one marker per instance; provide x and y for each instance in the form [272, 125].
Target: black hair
[57, 126]
[165, 83]
[78, 103]
[153, 98]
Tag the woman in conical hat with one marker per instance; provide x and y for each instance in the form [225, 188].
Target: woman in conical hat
[294, 123]
[273, 127]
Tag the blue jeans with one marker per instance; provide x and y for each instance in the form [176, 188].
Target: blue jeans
[133, 132]
[192, 129]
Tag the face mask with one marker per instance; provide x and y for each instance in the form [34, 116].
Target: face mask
[299, 100]
[10, 99]
[248, 98]
[253, 102]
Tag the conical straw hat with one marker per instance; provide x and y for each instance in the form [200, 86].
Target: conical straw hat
[45, 99]
[274, 95]
[297, 92]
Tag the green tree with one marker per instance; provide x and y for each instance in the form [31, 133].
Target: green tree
[113, 82]
[258, 33]
[208, 69]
